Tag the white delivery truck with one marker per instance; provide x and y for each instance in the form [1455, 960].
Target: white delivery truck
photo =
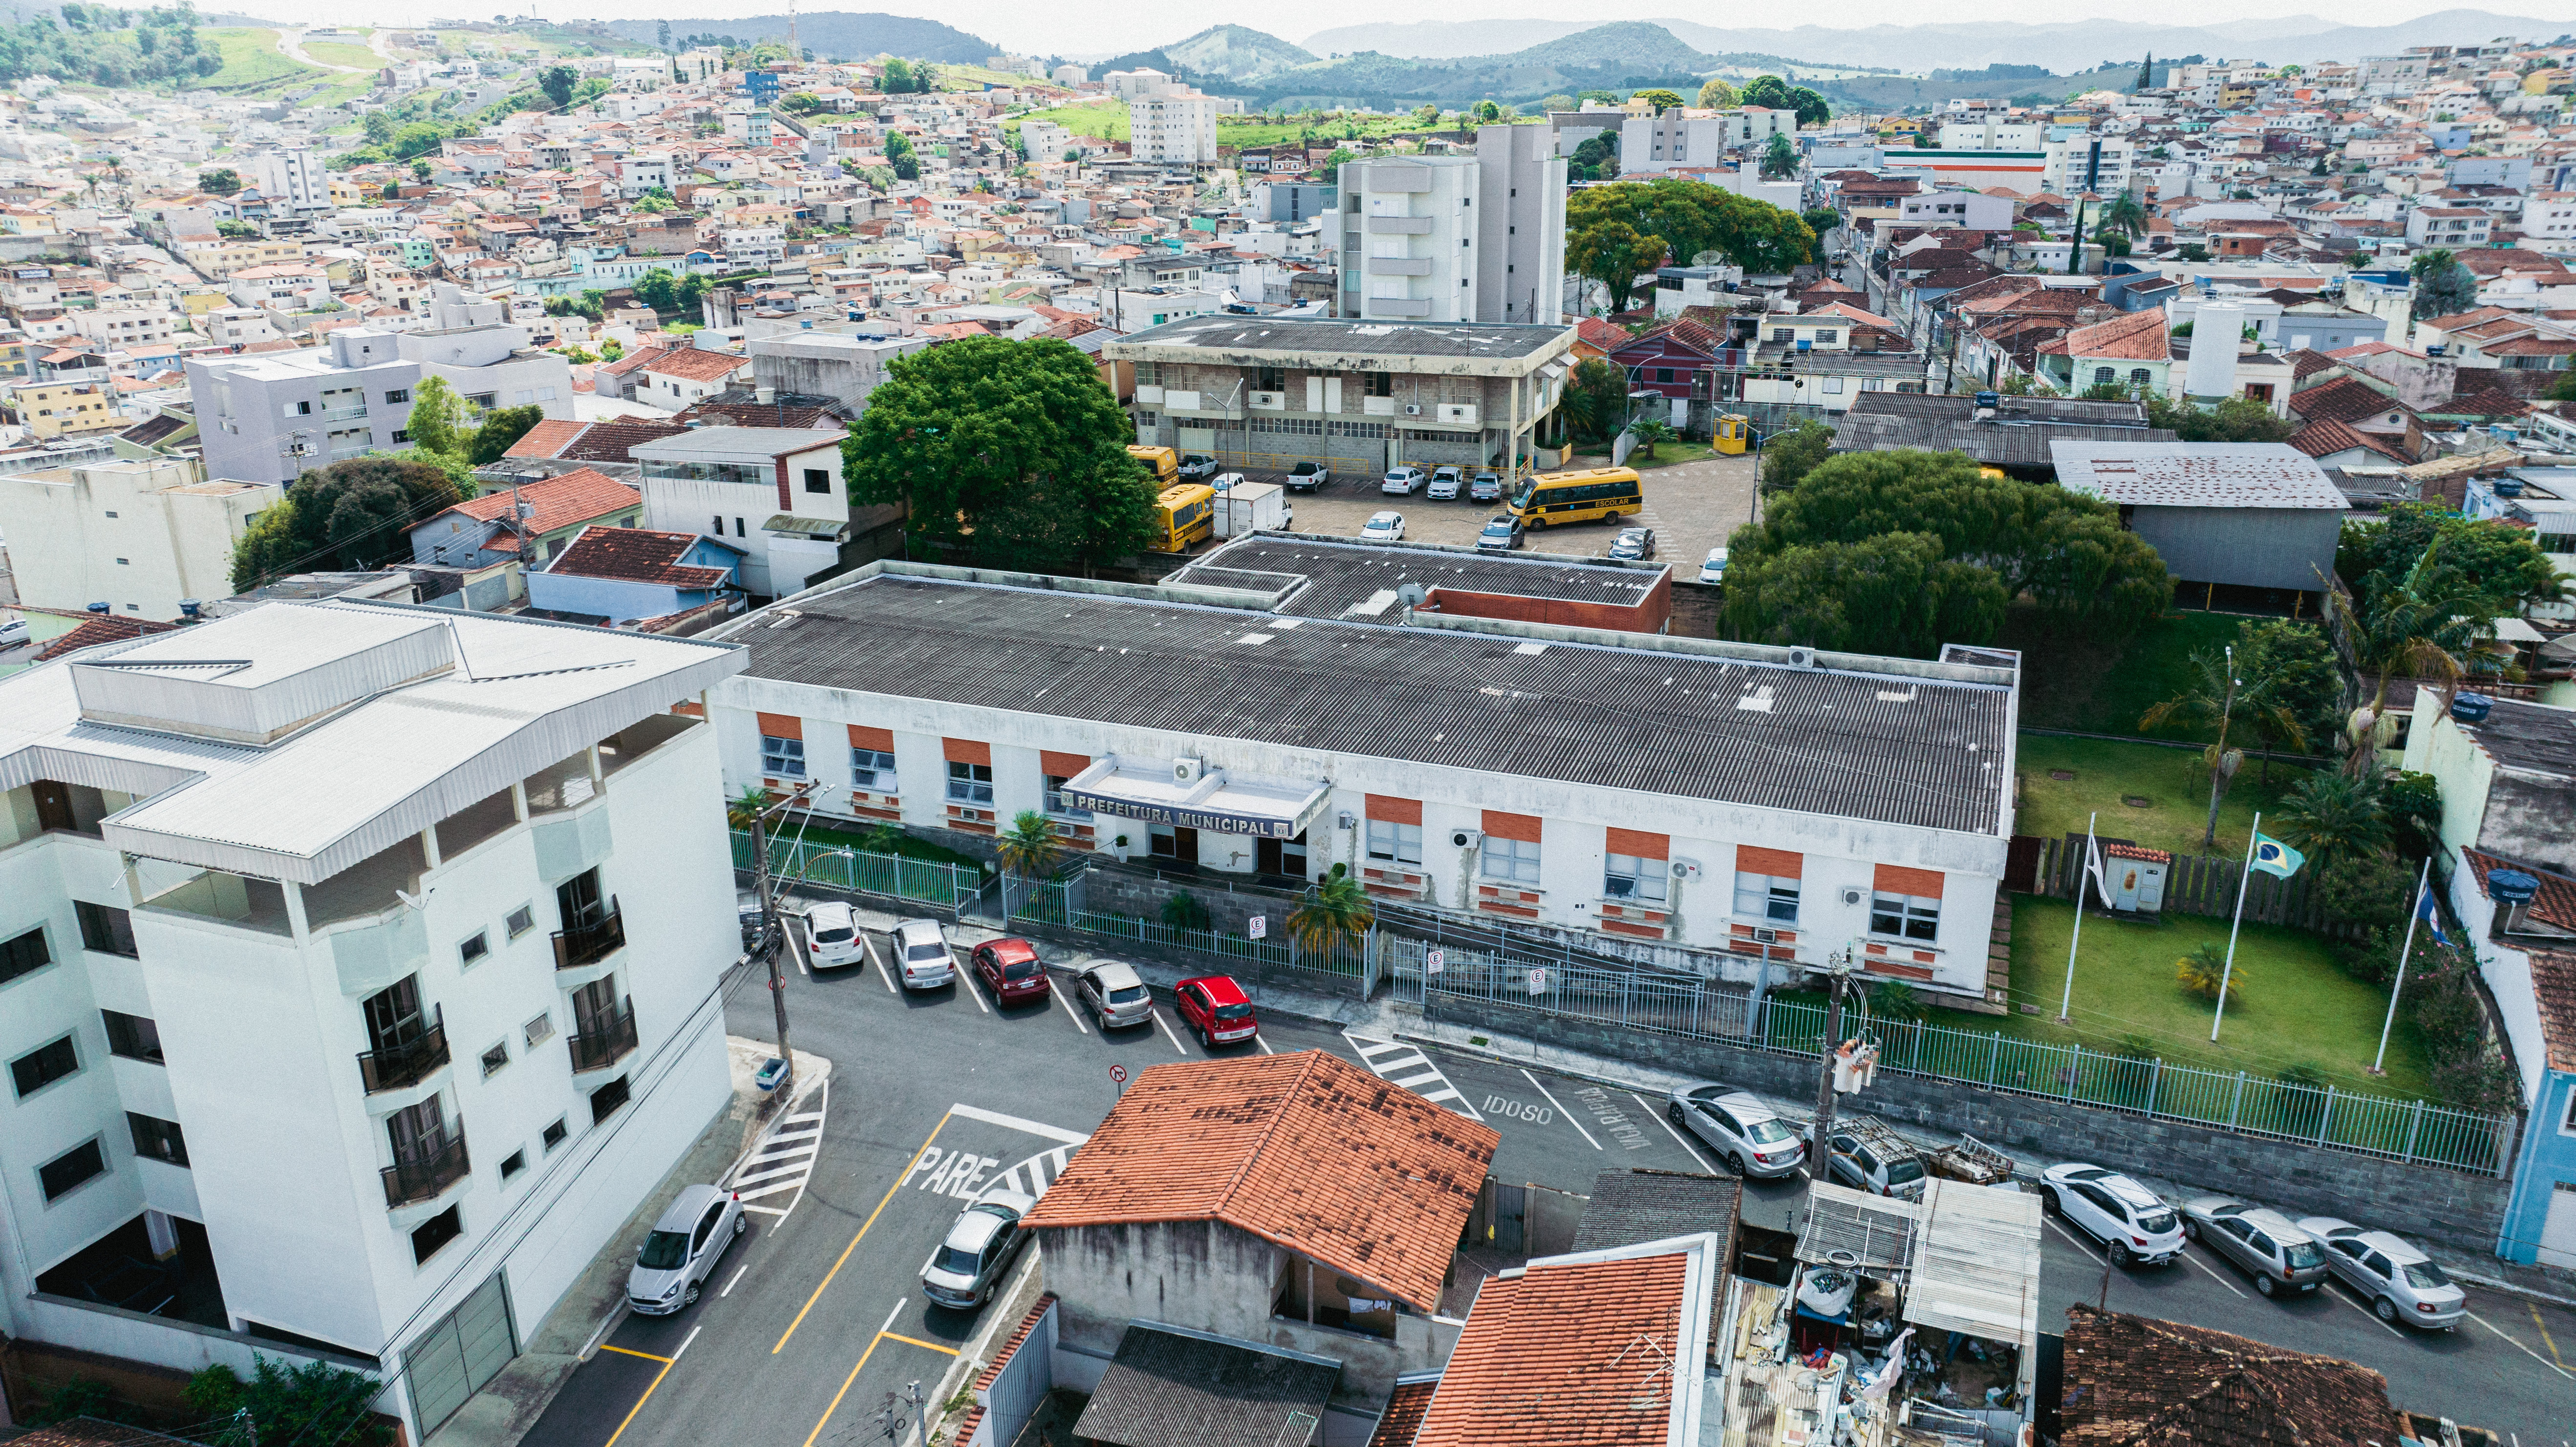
[1245, 507]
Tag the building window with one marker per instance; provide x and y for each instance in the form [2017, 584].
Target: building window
[782, 757]
[24, 955]
[158, 1140]
[872, 770]
[818, 479]
[1625, 876]
[539, 1029]
[133, 1037]
[495, 1058]
[514, 1163]
[970, 783]
[554, 1135]
[1663, 374]
[43, 1066]
[435, 1232]
[2103, 376]
[738, 529]
[1512, 860]
[105, 928]
[520, 921]
[65, 1172]
[476, 946]
[1394, 843]
[398, 394]
[605, 1100]
[1377, 384]
[2138, 377]
[1770, 898]
[1911, 916]
[1057, 803]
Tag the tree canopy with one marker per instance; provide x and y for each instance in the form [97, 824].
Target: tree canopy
[2485, 558]
[1617, 231]
[2443, 287]
[501, 429]
[1770, 92]
[2234, 419]
[1661, 100]
[1717, 95]
[1990, 540]
[350, 515]
[1012, 452]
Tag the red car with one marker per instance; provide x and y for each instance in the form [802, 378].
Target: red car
[1010, 969]
[1215, 1006]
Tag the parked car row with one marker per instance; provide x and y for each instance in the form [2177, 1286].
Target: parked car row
[1444, 483]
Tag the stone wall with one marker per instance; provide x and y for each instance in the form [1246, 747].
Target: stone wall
[2452, 1207]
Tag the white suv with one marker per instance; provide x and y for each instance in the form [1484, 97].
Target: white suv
[2134, 1225]
[832, 932]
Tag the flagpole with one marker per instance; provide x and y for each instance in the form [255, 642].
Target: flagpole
[2067, 1003]
[2414, 912]
[2243, 881]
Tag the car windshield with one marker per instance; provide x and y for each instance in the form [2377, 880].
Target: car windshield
[962, 1262]
[1521, 494]
[1020, 971]
[2155, 1222]
[1902, 1171]
[1767, 1132]
[2304, 1254]
[1234, 1012]
[1126, 994]
[2424, 1273]
[834, 935]
[664, 1251]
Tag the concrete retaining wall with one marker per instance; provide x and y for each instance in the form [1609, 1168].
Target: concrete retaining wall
[2457, 1209]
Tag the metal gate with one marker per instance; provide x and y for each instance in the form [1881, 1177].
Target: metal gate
[467, 1348]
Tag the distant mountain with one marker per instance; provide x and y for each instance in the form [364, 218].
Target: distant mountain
[1236, 53]
[834, 35]
[2062, 47]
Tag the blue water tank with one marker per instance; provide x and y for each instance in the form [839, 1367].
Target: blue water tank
[2472, 707]
[1989, 400]
[102, 607]
[2511, 886]
[2508, 487]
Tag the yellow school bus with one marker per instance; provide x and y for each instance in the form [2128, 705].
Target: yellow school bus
[1184, 516]
[1553, 499]
[1163, 462]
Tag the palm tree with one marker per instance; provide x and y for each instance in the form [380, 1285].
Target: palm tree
[2332, 817]
[1335, 910]
[2123, 214]
[2422, 627]
[745, 807]
[2209, 701]
[1030, 846]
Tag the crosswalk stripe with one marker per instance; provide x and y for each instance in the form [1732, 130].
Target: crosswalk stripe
[1407, 1067]
[1410, 1081]
[764, 1210]
[784, 1160]
[814, 1115]
[756, 1192]
[762, 1178]
[786, 1150]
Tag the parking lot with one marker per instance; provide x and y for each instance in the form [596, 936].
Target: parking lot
[1692, 506]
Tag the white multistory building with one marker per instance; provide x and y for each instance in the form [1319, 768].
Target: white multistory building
[292, 176]
[358, 978]
[1476, 238]
[1173, 127]
[2098, 164]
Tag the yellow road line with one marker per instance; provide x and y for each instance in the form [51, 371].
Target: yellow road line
[639, 1401]
[626, 1352]
[852, 1377]
[918, 1342]
[2544, 1332]
[853, 1246]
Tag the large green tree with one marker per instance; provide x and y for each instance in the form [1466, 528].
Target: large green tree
[1012, 452]
[2495, 562]
[2443, 287]
[1688, 218]
[1596, 398]
[500, 430]
[1717, 95]
[350, 515]
[435, 411]
[2234, 419]
[1892, 593]
[1787, 457]
[1614, 254]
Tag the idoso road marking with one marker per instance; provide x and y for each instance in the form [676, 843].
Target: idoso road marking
[1561, 1110]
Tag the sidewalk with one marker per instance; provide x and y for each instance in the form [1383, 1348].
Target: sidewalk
[511, 1403]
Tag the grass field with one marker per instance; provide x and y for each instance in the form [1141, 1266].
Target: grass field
[1666, 454]
[910, 846]
[332, 52]
[2070, 684]
[1107, 120]
[2108, 774]
[252, 61]
[2294, 1007]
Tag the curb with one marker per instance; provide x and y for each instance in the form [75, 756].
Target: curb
[2513, 1288]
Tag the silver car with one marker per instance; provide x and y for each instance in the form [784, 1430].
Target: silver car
[2403, 1284]
[682, 1248]
[1739, 1127]
[2273, 1250]
[921, 951]
[1115, 995]
[979, 1250]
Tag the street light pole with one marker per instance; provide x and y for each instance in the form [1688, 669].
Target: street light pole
[770, 937]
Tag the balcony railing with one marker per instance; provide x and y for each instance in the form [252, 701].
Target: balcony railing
[606, 1042]
[343, 414]
[410, 1063]
[424, 1177]
[588, 944]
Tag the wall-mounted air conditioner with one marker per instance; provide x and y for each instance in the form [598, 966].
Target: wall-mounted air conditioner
[1465, 838]
[1187, 769]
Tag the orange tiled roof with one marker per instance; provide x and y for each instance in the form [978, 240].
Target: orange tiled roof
[2131, 336]
[102, 628]
[1306, 1151]
[1570, 1355]
[696, 365]
[558, 502]
[1405, 1407]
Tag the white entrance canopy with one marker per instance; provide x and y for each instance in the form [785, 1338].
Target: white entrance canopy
[1186, 796]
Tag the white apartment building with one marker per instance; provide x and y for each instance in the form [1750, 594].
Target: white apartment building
[644, 171]
[1457, 238]
[2451, 226]
[1172, 129]
[2550, 217]
[1990, 135]
[325, 1013]
[718, 481]
[2099, 164]
[1130, 84]
[140, 537]
[291, 176]
[127, 326]
[1651, 144]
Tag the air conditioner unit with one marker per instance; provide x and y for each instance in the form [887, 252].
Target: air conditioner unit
[1412, 409]
[1802, 657]
[1466, 838]
[1346, 820]
[1187, 769]
[1852, 894]
[1686, 869]
[1767, 936]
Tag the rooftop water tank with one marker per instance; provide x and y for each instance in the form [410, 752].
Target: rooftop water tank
[2472, 707]
[2512, 887]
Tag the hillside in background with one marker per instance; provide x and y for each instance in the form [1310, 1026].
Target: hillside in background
[835, 35]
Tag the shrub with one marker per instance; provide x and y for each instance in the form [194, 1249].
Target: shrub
[78, 1397]
[1895, 1000]
[2134, 1046]
[1183, 911]
[2301, 1098]
[2201, 972]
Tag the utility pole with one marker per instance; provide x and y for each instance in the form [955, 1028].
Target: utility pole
[770, 936]
[1839, 968]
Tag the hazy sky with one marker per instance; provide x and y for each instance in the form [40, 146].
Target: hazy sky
[1057, 27]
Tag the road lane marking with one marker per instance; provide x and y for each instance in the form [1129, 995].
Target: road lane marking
[737, 1277]
[2328, 1289]
[2526, 1351]
[790, 936]
[667, 1363]
[1406, 1065]
[1264, 1044]
[975, 987]
[2544, 1332]
[1167, 1033]
[844, 1260]
[1561, 1110]
[784, 1161]
[1676, 1134]
[852, 1377]
[2089, 1253]
[631, 1352]
[914, 1341]
[2209, 1270]
[1034, 1175]
[882, 972]
[1032, 1127]
[1066, 999]
[684, 1342]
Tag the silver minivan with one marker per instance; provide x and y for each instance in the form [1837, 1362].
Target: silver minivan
[682, 1248]
[921, 952]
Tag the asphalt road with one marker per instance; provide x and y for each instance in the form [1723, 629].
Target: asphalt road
[816, 1314]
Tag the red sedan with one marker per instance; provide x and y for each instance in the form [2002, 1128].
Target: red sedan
[1216, 1007]
[1010, 969]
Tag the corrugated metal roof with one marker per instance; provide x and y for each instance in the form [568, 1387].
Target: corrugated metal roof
[1976, 1262]
[2196, 474]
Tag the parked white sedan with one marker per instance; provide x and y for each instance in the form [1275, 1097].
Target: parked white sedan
[1743, 1131]
[2403, 1284]
[1401, 481]
[1385, 527]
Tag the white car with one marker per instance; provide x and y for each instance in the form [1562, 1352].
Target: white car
[2134, 1225]
[2403, 1284]
[1446, 483]
[1385, 527]
[682, 1248]
[1401, 481]
[832, 936]
[979, 1250]
[921, 952]
[1714, 570]
[1743, 1131]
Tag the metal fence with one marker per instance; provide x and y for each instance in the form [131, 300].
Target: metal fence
[1059, 902]
[2326, 1116]
[858, 871]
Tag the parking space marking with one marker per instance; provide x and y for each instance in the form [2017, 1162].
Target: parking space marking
[968, 982]
[1264, 1044]
[2210, 1271]
[1406, 1065]
[631, 1352]
[914, 1341]
[2071, 1239]
[1167, 1033]
[926, 1144]
[2526, 1351]
[667, 1363]
[1561, 1110]
[2544, 1332]
[800, 954]
[1066, 999]
[1675, 1133]
[784, 1161]
[1019, 1123]
[2328, 1289]
[852, 1377]
[882, 972]
[734, 1279]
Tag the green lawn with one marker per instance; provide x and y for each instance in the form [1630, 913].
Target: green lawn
[911, 846]
[252, 61]
[2108, 774]
[331, 52]
[2068, 683]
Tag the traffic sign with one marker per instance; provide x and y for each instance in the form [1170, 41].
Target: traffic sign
[1118, 1074]
[1431, 962]
[1538, 981]
[1260, 925]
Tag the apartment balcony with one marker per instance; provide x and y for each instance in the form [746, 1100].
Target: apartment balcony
[406, 1065]
[606, 1042]
[343, 414]
[427, 1176]
[587, 944]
